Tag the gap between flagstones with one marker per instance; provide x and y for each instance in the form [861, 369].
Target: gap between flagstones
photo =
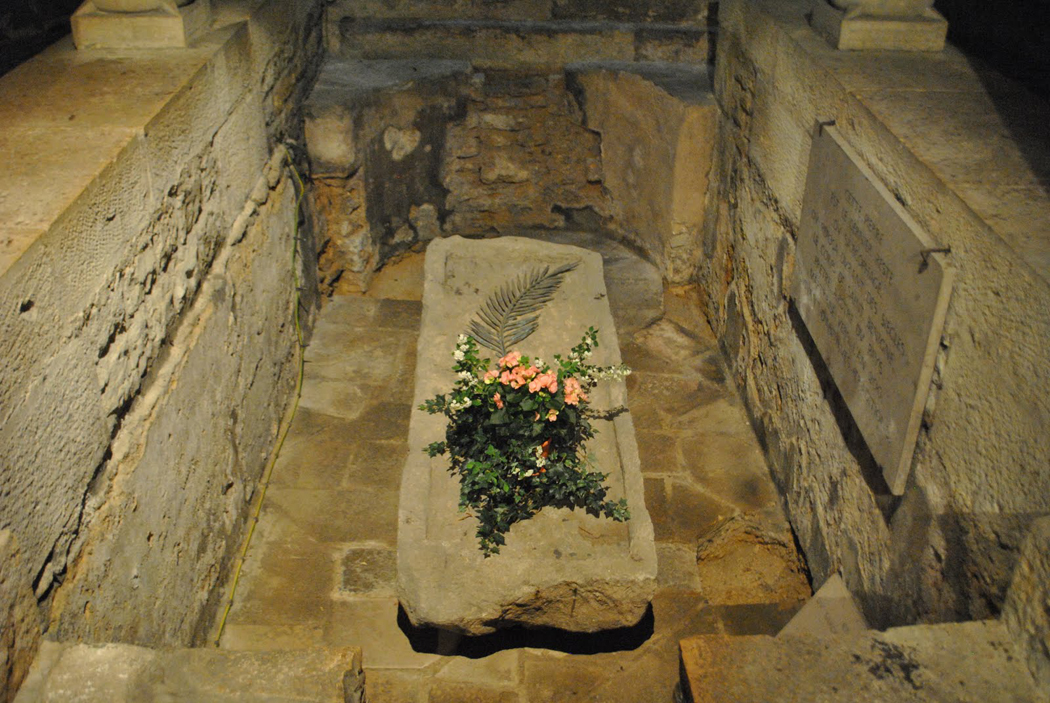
[321, 568]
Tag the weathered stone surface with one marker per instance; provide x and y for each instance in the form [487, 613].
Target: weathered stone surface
[634, 285]
[895, 29]
[118, 673]
[831, 611]
[22, 621]
[643, 10]
[376, 132]
[520, 157]
[965, 662]
[163, 26]
[751, 558]
[560, 568]
[147, 232]
[929, 128]
[657, 123]
[1027, 608]
[493, 43]
[369, 571]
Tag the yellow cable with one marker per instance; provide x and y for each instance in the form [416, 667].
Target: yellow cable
[291, 417]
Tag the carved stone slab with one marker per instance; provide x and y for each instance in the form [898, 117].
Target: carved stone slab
[561, 568]
[873, 298]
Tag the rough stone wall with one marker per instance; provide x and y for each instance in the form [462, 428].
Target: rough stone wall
[376, 136]
[656, 148]
[947, 548]
[1027, 611]
[150, 353]
[521, 157]
[404, 151]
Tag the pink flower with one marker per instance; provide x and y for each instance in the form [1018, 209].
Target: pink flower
[510, 360]
[552, 415]
[548, 381]
[499, 401]
[490, 376]
[573, 392]
[505, 378]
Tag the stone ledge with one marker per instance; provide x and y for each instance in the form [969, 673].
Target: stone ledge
[124, 673]
[966, 662]
[981, 136]
[88, 108]
[516, 43]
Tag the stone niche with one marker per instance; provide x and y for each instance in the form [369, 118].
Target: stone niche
[403, 151]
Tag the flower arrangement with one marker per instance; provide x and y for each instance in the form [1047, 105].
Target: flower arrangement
[516, 435]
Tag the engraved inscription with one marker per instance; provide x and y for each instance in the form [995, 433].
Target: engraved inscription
[872, 298]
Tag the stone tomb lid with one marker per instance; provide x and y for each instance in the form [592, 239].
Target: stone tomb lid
[561, 568]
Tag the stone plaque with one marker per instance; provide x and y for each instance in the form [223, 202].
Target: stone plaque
[873, 296]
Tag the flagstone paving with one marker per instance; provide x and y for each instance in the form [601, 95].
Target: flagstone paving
[321, 568]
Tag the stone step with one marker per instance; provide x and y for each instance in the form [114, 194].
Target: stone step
[958, 662]
[520, 43]
[831, 611]
[684, 11]
[118, 673]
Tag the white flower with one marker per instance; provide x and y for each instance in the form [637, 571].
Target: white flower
[461, 340]
[458, 355]
[528, 473]
[466, 375]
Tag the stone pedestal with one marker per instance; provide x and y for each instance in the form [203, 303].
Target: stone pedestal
[863, 27]
[164, 26]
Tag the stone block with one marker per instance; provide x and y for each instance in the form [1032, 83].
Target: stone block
[849, 30]
[502, 43]
[964, 662]
[657, 125]
[831, 611]
[121, 673]
[164, 26]
[750, 558]
[561, 568]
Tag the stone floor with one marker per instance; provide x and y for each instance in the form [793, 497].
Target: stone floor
[321, 567]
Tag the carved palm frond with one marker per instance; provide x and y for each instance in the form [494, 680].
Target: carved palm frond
[512, 312]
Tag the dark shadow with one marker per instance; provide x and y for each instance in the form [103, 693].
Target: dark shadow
[1011, 40]
[851, 435]
[1011, 37]
[425, 639]
[29, 26]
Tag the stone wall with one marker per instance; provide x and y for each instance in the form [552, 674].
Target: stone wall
[404, 151]
[520, 157]
[657, 128]
[972, 174]
[148, 298]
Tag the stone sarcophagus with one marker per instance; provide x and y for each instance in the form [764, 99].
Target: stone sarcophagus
[562, 568]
